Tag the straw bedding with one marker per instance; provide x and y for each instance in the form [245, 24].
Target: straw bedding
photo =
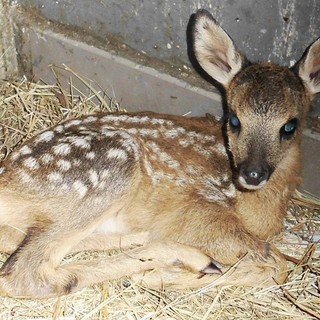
[27, 108]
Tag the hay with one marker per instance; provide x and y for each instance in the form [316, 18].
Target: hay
[27, 108]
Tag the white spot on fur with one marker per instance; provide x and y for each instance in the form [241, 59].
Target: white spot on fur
[153, 146]
[171, 133]
[55, 177]
[85, 129]
[191, 169]
[64, 165]
[114, 118]
[59, 128]
[25, 177]
[148, 167]
[90, 155]
[80, 187]
[2, 169]
[62, 149]
[157, 121]
[31, 163]
[161, 122]
[209, 138]
[149, 132]
[184, 143]
[182, 182]
[165, 157]
[71, 123]
[195, 135]
[118, 154]
[79, 142]
[93, 177]
[25, 150]
[47, 158]
[90, 119]
[132, 130]
[156, 177]
[138, 119]
[202, 150]
[130, 144]
[181, 130]
[44, 137]
[108, 131]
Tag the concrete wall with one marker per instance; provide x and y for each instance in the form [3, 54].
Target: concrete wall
[8, 56]
[273, 29]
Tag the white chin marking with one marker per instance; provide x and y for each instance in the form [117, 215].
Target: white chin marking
[251, 186]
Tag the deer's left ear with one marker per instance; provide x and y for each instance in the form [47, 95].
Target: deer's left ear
[214, 49]
[308, 67]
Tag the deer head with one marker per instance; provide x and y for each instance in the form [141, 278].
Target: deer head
[266, 103]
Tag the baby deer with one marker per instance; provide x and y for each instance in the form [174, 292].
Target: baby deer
[167, 184]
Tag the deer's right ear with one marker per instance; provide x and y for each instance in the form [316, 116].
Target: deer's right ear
[214, 49]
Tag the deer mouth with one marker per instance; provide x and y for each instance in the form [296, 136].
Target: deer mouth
[254, 177]
[248, 186]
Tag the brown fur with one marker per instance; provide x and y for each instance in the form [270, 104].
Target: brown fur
[162, 184]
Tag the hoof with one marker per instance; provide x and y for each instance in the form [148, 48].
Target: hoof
[214, 267]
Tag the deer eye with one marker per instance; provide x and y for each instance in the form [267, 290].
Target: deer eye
[289, 129]
[234, 122]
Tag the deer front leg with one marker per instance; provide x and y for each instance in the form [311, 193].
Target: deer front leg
[248, 271]
[151, 256]
[218, 233]
[222, 236]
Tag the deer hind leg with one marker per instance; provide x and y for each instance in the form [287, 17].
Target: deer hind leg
[32, 268]
[10, 238]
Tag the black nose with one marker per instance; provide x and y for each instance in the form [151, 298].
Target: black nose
[254, 175]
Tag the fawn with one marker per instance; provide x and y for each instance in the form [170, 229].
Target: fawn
[193, 195]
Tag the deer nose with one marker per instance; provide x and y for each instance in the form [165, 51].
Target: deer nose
[254, 176]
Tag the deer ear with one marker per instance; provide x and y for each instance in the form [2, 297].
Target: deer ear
[214, 49]
[309, 67]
